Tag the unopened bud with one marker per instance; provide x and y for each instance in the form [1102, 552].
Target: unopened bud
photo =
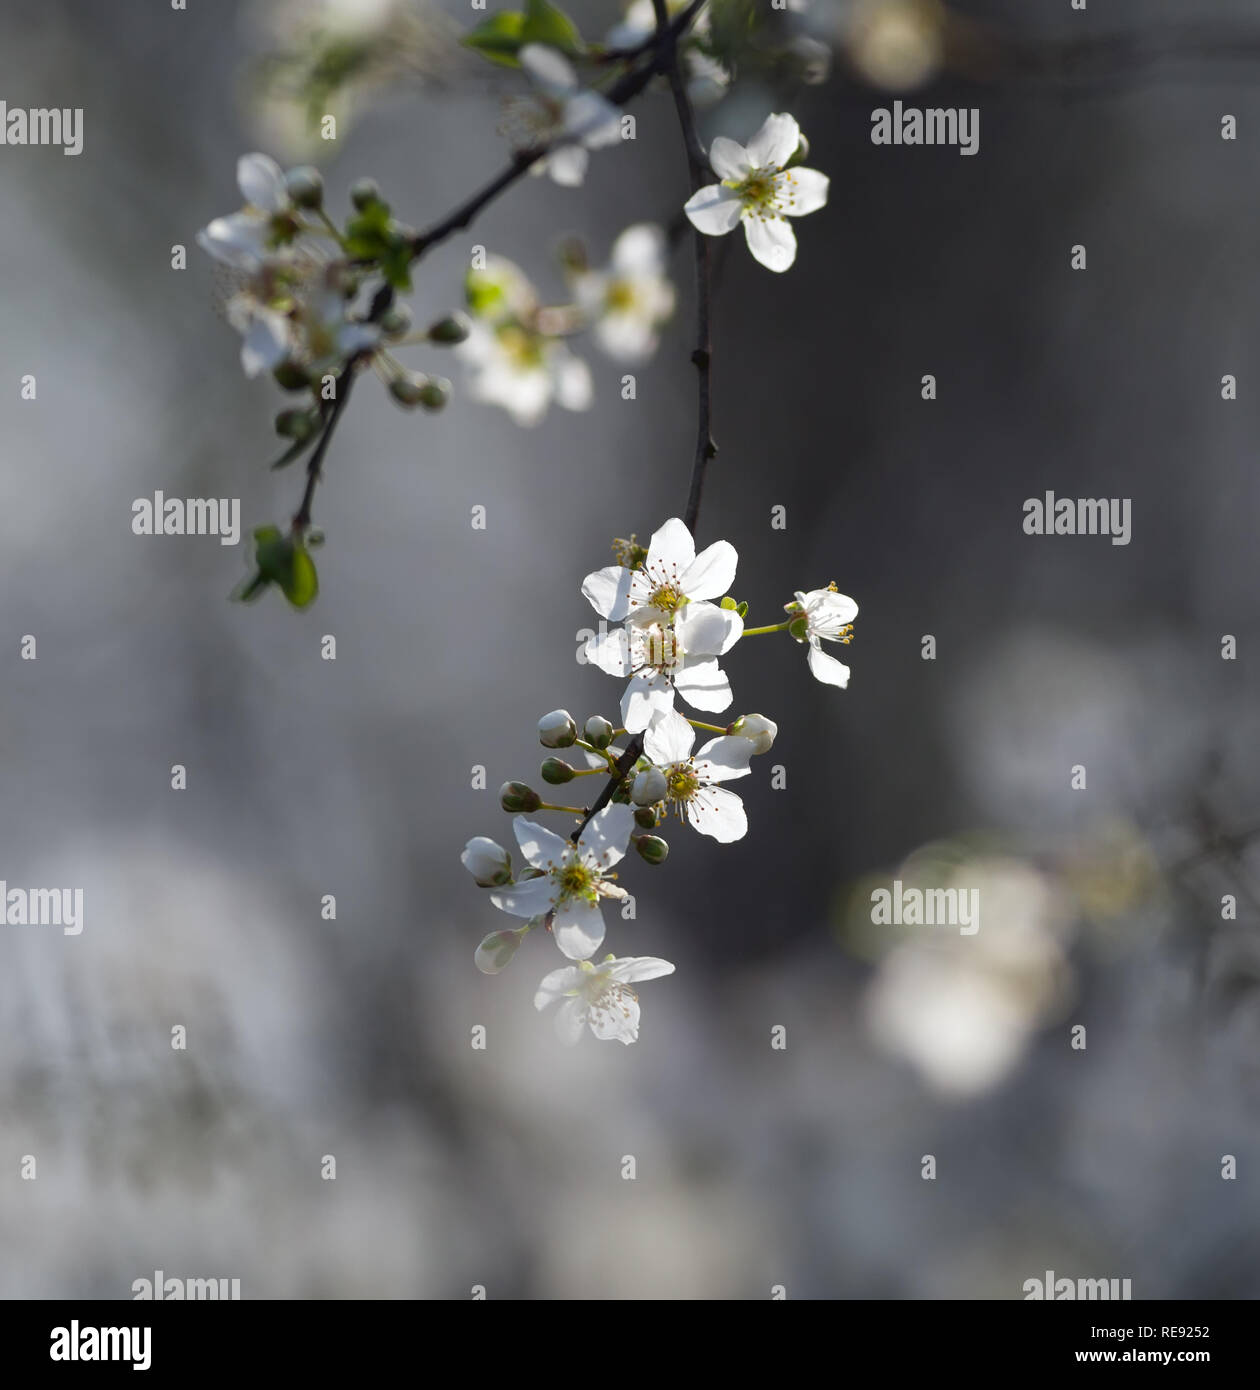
[396, 321]
[305, 186]
[645, 818]
[364, 193]
[297, 424]
[488, 862]
[598, 732]
[435, 393]
[759, 730]
[557, 729]
[517, 796]
[290, 377]
[498, 949]
[408, 388]
[556, 772]
[649, 787]
[652, 848]
[452, 329]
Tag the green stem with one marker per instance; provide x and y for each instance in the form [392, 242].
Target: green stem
[332, 228]
[708, 728]
[572, 810]
[761, 631]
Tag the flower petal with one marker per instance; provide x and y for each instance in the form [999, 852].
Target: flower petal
[704, 629]
[610, 651]
[571, 1018]
[645, 694]
[730, 159]
[578, 928]
[703, 684]
[557, 984]
[261, 182]
[723, 758]
[618, 1021]
[668, 738]
[640, 250]
[608, 592]
[800, 191]
[826, 668]
[670, 549]
[631, 968]
[526, 899]
[771, 241]
[775, 143]
[549, 68]
[567, 165]
[266, 343]
[593, 119]
[712, 572]
[718, 814]
[714, 210]
[607, 836]
[542, 847]
[574, 390]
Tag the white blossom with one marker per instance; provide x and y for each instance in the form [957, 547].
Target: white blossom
[247, 238]
[574, 877]
[629, 300]
[759, 189]
[488, 862]
[691, 788]
[562, 114]
[599, 996]
[760, 731]
[828, 615]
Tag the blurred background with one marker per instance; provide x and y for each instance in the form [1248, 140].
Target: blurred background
[755, 1166]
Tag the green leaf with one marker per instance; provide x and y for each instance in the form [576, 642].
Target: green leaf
[498, 37]
[281, 560]
[728, 602]
[303, 582]
[547, 23]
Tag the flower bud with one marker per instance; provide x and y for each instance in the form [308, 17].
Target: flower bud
[498, 949]
[598, 732]
[516, 796]
[488, 862]
[396, 321]
[290, 377]
[557, 729]
[757, 728]
[799, 628]
[799, 155]
[448, 331]
[556, 772]
[652, 848]
[408, 388]
[645, 818]
[435, 393]
[297, 424]
[364, 193]
[305, 186]
[649, 787]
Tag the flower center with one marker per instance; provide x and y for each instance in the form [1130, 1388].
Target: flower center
[669, 598]
[522, 348]
[575, 880]
[613, 999]
[660, 648]
[759, 192]
[682, 782]
[621, 297]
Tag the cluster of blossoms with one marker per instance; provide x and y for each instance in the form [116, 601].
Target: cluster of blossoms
[668, 642]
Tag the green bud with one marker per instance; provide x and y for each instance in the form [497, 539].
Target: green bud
[556, 772]
[305, 185]
[408, 389]
[290, 377]
[645, 818]
[364, 193]
[297, 424]
[799, 628]
[652, 848]
[454, 328]
[598, 731]
[516, 796]
[396, 321]
[557, 729]
[435, 393]
[498, 949]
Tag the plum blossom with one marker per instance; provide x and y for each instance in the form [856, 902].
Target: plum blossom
[691, 781]
[760, 189]
[598, 995]
[573, 878]
[488, 862]
[562, 114]
[707, 79]
[673, 636]
[818, 614]
[246, 239]
[629, 300]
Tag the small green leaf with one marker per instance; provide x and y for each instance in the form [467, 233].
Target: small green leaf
[728, 602]
[547, 23]
[741, 609]
[303, 582]
[498, 37]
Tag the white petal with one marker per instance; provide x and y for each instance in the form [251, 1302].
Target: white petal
[571, 1018]
[712, 572]
[266, 343]
[714, 210]
[670, 549]
[704, 685]
[800, 191]
[542, 847]
[548, 67]
[527, 899]
[704, 629]
[574, 389]
[238, 240]
[631, 968]
[718, 814]
[578, 927]
[775, 143]
[771, 241]
[608, 592]
[729, 159]
[557, 984]
[567, 165]
[826, 668]
[593, 119]
[261, 182]
[640, 250]
[668, 739]
[619, 1022]
[828, 612]
[610, 651]
[645, 694]
[723, 758]
[607, 837]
